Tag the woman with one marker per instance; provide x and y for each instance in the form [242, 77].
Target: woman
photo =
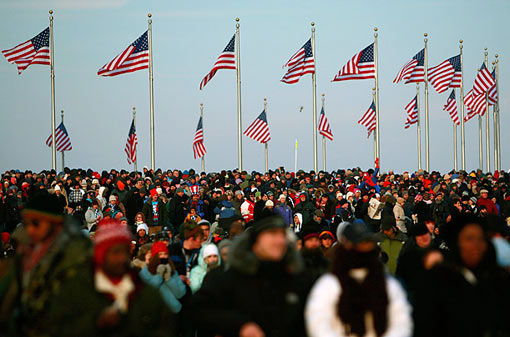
[357, 298]
[93, 214]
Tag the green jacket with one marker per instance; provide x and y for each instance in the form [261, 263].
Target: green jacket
[392, 247]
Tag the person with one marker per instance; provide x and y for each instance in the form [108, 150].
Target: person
[467, 294]
[400, 217]
[315, 262]
[177, 208]
[271, 299]
[93, 214]
[485, 201]
[305, 207]
[154, 211]
[391, 241]
[298, 223]
[284, 210]
[109, 298]
[142, 235]
[357, 298]
[209, 259]
[327, 240]
[184, 254]
[49, 251]
[248, 207]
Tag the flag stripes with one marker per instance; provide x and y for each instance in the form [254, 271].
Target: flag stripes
[413, 71]
[133, 58]
[301, 63]
[446, 75]
[259, 129]
[451, 108]
[226, 60]
[198, 141]
[131, 143]
[324, 128]
[33, 51]
[483, 81]
[412, 112]
[62, 140]
[360, 67]
[369, 119]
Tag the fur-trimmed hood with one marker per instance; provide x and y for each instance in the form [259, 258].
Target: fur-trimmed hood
[242, 258]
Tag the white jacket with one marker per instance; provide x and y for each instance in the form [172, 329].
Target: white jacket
[321, 310]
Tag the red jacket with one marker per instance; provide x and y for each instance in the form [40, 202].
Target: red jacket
[491, 207]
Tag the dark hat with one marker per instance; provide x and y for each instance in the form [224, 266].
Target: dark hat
[387, 223]
[319, 212]
[309, 231]
[267, 223]
[356, 233]
[419, 229]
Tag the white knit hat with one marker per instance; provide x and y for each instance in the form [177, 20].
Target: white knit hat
[269, 203]
[209, 250]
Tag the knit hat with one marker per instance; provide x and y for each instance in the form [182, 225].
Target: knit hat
[419, 229]
[109, 233]
[158, 247]
[154, 192]
[282, 196]
[387, 222]
[267, 223]
[225, 243]
[356, 233]
[209, 250]
[56, 188]
[269, 203]
[309, 231]
[325, 234]
[142, 226]
[112, 198]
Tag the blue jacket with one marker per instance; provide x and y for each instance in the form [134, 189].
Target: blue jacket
[286, 213]
[171, 290]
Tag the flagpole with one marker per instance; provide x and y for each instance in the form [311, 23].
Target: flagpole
[63, 160]
[296, 148]
[314, 86]
[151, 89]
[265, 144]
[455, 166]
[487, 129]
[495, 127]
[202, 118]
[238, 73]
[418, 125]
[136, 150]
[375, 138]
[427, 153]
[377, 124]
[462, 134]
[52, 76]
[498, 115]
[323, 143]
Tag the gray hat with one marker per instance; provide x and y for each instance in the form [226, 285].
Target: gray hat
[356, 233]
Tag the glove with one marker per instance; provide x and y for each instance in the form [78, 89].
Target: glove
[164, 271]
[153, 264]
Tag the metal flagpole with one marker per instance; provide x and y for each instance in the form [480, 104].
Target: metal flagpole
[323, 143]
[480, 145]
[495, 127]
[377, 124]
[455, 165]
[136, 150]
[265, 144]
[375, 138]
[52, 76]
[462, 135]
[151, 89]
[418, 126]
[314, 86]
[63, 159]
[487, 129]
[296, 148]
[427, 153]
[202, 118]
[238, 72]
[498, 115]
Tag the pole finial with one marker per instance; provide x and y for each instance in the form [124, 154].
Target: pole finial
[201, 104]
[51, 12]
[313, 23]
[375, 29]
[323, 95]
[425, 34]
[461, 41]
[496, 56]
[149, 15]
[134, 108]
[237, 19]
[493, 62]
[265, 99]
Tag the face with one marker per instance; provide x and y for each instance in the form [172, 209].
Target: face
[141, 232]
[196, 242]
[37, 229]
[206, 230]
[423, 241]
[211, 260]
[163, 255]
[296, 220]
[472, 245]
[271, 245]
[124, 223]
[116, 260]
[312, 243]
[326, 242]
[139, 218]
[154, 197]
[484, 195]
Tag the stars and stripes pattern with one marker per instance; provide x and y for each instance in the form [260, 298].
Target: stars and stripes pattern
[135, 57]
[369, 119]
[33, 51]
[483, 81]
[301, 63]
[360, 67]
[62, 140]
[324, 128]
[451, 108]
[198, 141]
[226, 60]
[131, 143]
[446, 75]
[493, 92]
[412, 112]
[259, 129]
[413, 71]
[475, 105]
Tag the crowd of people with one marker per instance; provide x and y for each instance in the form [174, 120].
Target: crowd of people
[232, 253]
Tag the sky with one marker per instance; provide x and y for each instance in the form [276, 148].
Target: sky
[188, 36]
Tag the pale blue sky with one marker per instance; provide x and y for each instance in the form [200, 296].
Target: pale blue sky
[187, 38]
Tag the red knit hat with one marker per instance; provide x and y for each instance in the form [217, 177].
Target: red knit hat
[109, 233]
[158, 247]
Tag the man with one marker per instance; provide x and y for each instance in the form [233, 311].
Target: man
[315, 262]
[284, 210]
[134, 201]
[248, 207]
[75, 196]
[391, 241]
[177, 209]
[184, 254]
[154, 211]
[485, 201]
[305, 207]
[112, 207]
[271, 299]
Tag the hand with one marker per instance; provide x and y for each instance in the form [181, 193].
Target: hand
[431, 259]
[376, 162]
[153, 264]
[108, 317]
[185, 279]
[251, 329]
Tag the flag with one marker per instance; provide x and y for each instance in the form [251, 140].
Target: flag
[369, 119]
[135, 57]
[198, 141]
[301, 63]
[324, 128]
[131, 143]
[493, 92]
[475, 105]
[446, 75]
[226, 60]
[483, 81]
[412, 112]
[259, 129]
[451, 108]
[62, 140]
[413, 71]
[360, 67]
[34, 51]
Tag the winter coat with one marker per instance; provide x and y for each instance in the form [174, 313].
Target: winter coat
[270, 294]
[392, 248]
[149, 213]
[176, 253]
[286, 213]
[177, 210]
[91, 218]
[489, 204]
[247, 209]
[398, 212]
[134, 204]
[306, 208]
[321, 310]
[171, 289]
[199, 271]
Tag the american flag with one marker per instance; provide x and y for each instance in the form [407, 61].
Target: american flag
[194, 189]
[414, 70]
[131, 143]
[446, 75]
[324, 128]
[62, 140]
[135, 57]
[483, 81]
[412, 112]
[360, 67]
[451, 108]
[369, 119]
[493, 92]
[475, 105]
[34, 51]
[301, 63]
[226, 60]
[259, 129]
[198, 141]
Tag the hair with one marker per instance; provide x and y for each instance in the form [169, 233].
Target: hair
[143, 216]
[357, 298]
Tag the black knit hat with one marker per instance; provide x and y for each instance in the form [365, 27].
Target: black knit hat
[267, 223]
